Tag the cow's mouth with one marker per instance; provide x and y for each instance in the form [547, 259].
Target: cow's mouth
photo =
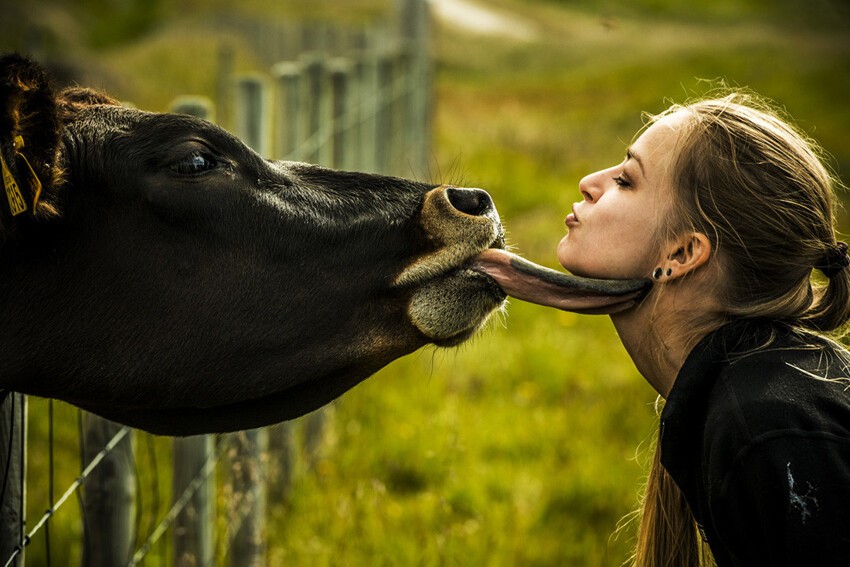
[450, 308]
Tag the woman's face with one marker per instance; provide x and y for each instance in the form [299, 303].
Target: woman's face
[613, 231]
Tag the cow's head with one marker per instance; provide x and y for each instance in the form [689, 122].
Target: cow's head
[168, 277]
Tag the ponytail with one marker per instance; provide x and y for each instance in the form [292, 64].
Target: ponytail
[831, 306]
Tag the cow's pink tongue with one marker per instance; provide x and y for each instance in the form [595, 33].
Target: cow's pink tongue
[526, 280]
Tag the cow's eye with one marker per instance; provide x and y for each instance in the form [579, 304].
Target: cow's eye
[195, 163]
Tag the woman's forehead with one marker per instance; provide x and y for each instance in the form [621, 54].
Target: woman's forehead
[667, 126]
[657, 143]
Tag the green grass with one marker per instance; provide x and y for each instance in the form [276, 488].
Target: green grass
[522, 447]
[489, 454]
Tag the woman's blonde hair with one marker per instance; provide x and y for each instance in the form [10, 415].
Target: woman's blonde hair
[760, 190]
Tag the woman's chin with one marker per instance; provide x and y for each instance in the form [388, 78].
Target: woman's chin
[583, 270]
[587, 264]
[566, 257]
[576, 269]
[571, 260]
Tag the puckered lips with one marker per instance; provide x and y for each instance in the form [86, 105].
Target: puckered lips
[572, 218]
[525, 280]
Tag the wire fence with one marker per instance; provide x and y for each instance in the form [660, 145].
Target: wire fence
[367, 109]
[68, 493]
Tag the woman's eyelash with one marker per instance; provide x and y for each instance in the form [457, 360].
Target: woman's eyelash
[621, 182]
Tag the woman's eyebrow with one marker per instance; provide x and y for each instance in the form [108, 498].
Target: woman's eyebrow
[630, 154]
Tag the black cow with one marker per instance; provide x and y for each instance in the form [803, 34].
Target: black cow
[156, 271]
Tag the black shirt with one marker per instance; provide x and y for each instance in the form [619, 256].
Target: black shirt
[758, 439]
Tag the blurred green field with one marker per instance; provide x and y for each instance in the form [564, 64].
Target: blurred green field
[523, 446]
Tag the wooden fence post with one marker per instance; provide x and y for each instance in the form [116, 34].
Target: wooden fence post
[366, 71]
[281, 461]
[197, 106]
[13, 439]
[248, 546]
[110, 495]
[414, 31]
[384, 127]
[224, 87]
[287, 110]
[316, 109]
[402, 150]
[343, 140]
[251, 110]
[193, 527]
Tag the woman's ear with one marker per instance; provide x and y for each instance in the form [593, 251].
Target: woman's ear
[683, 256]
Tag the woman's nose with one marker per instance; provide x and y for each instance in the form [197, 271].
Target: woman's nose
[590, 187]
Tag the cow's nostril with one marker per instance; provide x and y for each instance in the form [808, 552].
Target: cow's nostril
[476, 202]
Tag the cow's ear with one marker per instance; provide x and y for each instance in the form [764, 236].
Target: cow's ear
[74, 99]
[30, 134]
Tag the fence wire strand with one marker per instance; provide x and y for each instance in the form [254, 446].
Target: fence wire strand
[73, 488]
[180, 504]
[352, 117]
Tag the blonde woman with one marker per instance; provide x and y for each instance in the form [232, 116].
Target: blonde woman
[730, 210]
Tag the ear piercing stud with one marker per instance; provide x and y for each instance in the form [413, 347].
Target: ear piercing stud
[657, 273]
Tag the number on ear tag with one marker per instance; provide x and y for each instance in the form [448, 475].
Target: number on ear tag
[13, 192]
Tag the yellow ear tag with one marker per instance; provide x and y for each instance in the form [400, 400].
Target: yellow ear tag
[34, 180]
[13, 193]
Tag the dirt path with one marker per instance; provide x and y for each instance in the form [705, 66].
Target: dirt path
[480, 19]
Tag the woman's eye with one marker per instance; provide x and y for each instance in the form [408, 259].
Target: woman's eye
[195, 163]
[620, 181]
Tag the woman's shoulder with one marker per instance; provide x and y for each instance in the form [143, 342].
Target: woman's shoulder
[769, 360]
[794, 382]
[752, 381]
[758, 408]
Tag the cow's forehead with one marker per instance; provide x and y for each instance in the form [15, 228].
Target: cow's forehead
[145, 124]
[149, 133]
